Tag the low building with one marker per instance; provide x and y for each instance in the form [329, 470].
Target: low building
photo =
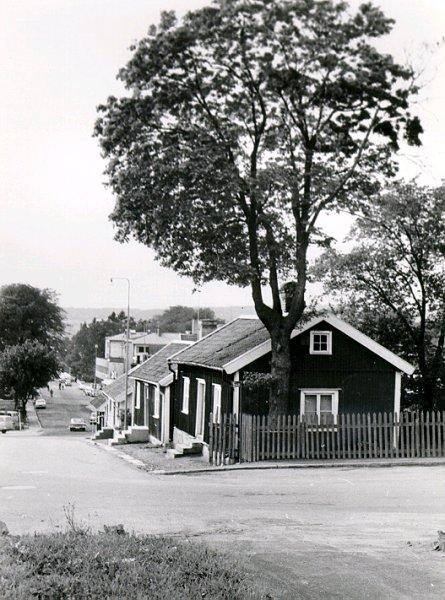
[142, 345]
[335, 369]
[153, 393]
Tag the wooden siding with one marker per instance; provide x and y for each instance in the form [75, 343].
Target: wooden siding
[365, 381]
[187, 422]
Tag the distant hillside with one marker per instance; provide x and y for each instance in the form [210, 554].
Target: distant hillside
[76, 316]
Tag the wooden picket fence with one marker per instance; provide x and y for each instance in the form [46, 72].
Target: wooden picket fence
[223, 440]
[352, 436]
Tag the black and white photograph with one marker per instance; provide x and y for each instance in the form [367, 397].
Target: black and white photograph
[222, 299]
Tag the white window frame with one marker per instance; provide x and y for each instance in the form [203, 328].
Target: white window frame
[185, 395]
[216, 405]
[329, 340]
[137, 401]
[200, 408]
[319, 392]
[156, 403]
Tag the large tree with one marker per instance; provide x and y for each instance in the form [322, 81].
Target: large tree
[29, 313]
[242, 124]
[26, 367]
[392, 282]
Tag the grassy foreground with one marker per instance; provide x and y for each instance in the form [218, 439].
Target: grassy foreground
[85, 565]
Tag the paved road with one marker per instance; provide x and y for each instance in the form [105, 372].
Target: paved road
[336, 533]
[65, 404]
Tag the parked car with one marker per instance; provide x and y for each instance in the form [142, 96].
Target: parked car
[77, 424]
[93, 418]
[14, 414]
[6, 423]
[40, 403]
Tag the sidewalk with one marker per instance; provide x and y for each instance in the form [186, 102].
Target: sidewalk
[33, 422]
[153, 460]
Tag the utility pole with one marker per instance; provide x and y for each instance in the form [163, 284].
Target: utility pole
[127, 360]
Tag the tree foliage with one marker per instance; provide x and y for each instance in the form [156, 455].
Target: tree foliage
[26, 367]
[29, 313]
[178, 319]
[392, 282]
[242, 123]
[82, 351]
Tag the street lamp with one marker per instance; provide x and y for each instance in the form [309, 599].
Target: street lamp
[127, 361]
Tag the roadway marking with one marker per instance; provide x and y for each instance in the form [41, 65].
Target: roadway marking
[18, 487]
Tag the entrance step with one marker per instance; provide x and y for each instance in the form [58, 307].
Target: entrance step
[195, 448]
[104, 434]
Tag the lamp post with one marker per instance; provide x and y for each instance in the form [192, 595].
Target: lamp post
[127, 362]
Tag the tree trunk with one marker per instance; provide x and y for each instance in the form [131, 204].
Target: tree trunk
[281, 371]
[22, 409]
[428, 393]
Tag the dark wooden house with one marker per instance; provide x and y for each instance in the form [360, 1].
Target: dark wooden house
[335, 369]
[152, 393]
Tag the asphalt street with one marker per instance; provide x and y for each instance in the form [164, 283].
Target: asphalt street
[63, 406]
[334, 533]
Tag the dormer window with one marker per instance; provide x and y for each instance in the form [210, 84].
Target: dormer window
[321, 342]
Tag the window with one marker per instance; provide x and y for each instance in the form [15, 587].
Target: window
[319, 406]
[156, 404]
[216, 407]
[139, 386]
[185, 394]
[140, 349]
[321, 342]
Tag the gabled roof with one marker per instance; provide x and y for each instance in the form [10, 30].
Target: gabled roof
[155, 369]
[245, 339]
[116, 390]
[223, 345]
[97, 401]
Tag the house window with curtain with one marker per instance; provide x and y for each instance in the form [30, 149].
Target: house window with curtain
[216, 407]
[319, 406]
[185, 395]
[156, 404]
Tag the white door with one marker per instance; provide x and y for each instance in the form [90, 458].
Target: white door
[200, 409]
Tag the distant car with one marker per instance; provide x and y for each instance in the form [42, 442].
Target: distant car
[77, 424]
[93, 418]
[67, 382]
[6, 423]
[40, 403]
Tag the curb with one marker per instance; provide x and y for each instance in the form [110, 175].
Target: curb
[121, 455]
[380, 464]
[275, 466]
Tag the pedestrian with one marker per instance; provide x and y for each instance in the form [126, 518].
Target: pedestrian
[51, 392]
[60, 385]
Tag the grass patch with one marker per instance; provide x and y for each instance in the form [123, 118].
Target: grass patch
[111, 565]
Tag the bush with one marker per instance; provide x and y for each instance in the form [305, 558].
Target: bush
[110, 565]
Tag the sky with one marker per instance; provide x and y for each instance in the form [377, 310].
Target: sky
[58, 61]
